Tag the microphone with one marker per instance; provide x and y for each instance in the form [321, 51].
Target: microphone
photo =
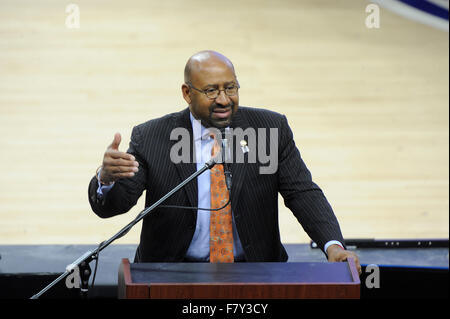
[226, 154]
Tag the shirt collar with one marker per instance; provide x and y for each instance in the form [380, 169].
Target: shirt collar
[200, 132]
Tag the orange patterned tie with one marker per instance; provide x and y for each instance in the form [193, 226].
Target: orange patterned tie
[221, 227]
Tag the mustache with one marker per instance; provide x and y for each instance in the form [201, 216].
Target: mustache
[218, 106]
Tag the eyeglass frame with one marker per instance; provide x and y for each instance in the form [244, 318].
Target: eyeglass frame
[213, 98]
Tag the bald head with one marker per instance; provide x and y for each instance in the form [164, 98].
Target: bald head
[210, 71]
[203, 60]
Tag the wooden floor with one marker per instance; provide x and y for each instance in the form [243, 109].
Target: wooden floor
[369, 107]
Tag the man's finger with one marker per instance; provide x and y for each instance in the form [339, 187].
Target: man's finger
[125, 175]
[358, 266]
[109, 161]
[357, 263]
[115, 144]
[123, 169]
[120, 155]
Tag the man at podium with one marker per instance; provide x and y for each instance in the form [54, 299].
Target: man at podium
[230, 213]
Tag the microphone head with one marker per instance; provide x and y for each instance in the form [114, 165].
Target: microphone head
[222, 147]
[222, 132]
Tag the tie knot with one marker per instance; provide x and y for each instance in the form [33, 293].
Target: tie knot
[216, 147]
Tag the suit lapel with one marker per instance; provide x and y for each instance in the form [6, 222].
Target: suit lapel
[185, 170]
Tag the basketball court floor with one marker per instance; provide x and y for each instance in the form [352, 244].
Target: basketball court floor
[369, 107]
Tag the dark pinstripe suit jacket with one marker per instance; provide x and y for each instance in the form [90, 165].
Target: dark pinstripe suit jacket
[166, 233]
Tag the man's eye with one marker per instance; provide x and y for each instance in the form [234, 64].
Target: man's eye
[210, 90]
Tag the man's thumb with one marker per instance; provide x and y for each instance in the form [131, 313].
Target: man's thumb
[115, 144]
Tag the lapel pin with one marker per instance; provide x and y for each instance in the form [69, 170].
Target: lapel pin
[244, 146]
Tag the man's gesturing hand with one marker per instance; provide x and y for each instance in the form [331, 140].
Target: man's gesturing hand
[117, 164]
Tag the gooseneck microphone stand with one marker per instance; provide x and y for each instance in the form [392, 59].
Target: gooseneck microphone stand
[83, 261]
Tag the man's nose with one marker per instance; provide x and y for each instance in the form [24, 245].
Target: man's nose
[223, 99]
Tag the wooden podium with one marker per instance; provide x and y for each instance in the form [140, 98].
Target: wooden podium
[238, 280]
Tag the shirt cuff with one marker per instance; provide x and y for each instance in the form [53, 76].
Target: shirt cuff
[332, 242]
[102, 190]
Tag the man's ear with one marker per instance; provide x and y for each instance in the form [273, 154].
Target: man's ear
[186, 90]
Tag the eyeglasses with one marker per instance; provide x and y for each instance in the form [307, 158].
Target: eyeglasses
[213, 93]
